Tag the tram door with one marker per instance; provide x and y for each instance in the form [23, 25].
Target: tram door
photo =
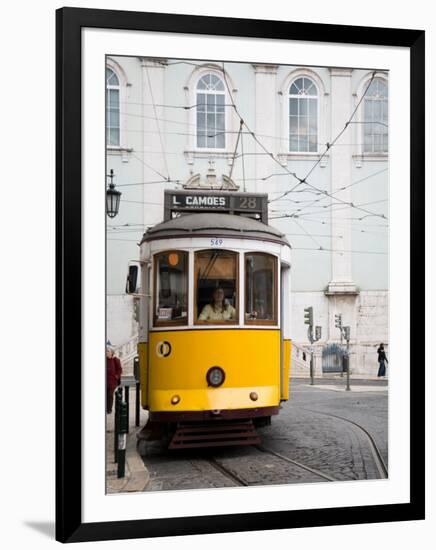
[285, 329]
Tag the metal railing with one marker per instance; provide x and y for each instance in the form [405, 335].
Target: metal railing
[126, 352]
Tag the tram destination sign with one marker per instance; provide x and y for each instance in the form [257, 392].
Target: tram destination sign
[213, 201]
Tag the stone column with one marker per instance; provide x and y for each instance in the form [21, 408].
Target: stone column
[154, 138]
[265, 125]
[341, 158]
[342, 290]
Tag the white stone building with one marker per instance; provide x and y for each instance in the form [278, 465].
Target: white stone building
[171, 123]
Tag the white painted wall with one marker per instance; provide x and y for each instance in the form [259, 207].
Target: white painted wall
[158, 142]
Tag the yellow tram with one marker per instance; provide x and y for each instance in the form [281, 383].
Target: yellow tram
[213, 285]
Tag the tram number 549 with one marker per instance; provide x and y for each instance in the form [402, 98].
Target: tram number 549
[216, 242]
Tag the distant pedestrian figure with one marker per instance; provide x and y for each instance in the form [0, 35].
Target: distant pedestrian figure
[113, 377]
[382, 359]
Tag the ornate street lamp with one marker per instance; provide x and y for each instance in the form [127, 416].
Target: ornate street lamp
[112, 197]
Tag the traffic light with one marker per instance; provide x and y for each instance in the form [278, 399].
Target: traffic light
[347, 333]
[308, 316]
[338, 320]
[317, 333]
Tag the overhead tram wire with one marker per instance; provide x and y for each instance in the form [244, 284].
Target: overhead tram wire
[328, 222]
[268, 153]
[333, 193]
[243, 163]
[342, 228]
[341, 251]
[241, 123]
[166, 179]
[328, 146]
[320, 247]
[157, 122]
[341, 188]
[324, 209]
[184, 123]
[147, 183]
[188, 107]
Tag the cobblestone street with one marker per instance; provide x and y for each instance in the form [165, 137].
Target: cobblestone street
[322, 434]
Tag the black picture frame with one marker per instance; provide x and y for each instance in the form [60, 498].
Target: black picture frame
[69, 23]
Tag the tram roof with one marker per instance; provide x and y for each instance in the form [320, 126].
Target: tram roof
[208, 224]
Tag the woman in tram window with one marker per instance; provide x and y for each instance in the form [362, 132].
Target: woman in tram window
[219, 309]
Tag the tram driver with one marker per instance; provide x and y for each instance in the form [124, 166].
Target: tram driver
[219, 309]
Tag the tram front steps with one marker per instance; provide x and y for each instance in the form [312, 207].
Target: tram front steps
[190, 435]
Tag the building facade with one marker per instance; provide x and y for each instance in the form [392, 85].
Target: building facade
[314, 139]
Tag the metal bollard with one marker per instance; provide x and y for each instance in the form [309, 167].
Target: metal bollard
[118, 399]
[137, 400]
[136, 368]
[122, 440]
[126, 399]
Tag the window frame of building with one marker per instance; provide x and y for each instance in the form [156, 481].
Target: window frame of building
[359, 154]
[373, 99]
[109, 108]
[231, 121]
[170, 322]
[215, 94]
[225, 322]
[285, 155]
[124, 85]
[275, 282]
[306, 98]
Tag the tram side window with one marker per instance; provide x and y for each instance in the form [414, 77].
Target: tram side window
[216, 288]
[171, 288]
[260, 289]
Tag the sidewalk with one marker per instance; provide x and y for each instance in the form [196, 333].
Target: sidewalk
[353, 387]
[358, 383]
[334, 377]
[136, 474]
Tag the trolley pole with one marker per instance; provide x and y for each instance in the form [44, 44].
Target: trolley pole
[122, 439]
[308, 320]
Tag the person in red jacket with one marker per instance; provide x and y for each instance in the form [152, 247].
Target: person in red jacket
[113, 377]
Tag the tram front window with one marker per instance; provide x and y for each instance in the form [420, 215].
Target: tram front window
[216, 288]
[260, 288]
[171, 305]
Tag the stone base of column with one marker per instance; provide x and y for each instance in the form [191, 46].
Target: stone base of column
[341, 287]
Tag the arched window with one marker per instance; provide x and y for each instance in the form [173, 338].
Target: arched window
[112, 108]
[211, 125]
[303, 116]
[375, 118]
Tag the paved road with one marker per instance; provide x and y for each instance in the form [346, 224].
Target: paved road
[302, 432]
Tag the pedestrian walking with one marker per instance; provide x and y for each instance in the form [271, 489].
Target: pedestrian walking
[382, 359]
[113, 377]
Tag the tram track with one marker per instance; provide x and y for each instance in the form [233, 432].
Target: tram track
[375, 453]
[379, 462]
[227, 473]
[240, 481]
[320, 474]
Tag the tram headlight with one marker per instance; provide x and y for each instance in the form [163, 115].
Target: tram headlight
[215, 376]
